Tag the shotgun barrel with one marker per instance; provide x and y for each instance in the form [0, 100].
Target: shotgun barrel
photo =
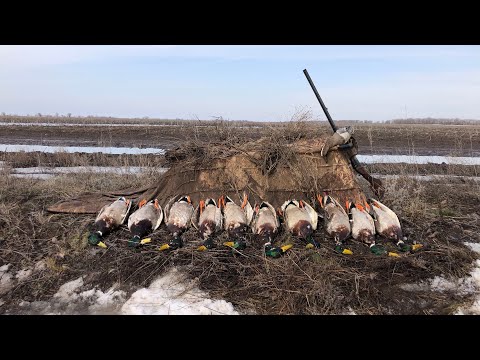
[325, 110]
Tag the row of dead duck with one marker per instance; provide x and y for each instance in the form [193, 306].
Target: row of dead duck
[360, 221]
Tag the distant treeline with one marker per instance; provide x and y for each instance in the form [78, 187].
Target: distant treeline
[434, 121]
[91, 119]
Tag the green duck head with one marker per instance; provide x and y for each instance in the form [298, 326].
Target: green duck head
[94, 238]
[134, 241]
[273, 252]
[377, 249]
[403, 247]
[176, 243]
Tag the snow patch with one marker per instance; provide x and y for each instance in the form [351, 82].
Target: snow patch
[103, 303]
[44, 173]
[96, 299]
[173, 294]
[464, 286]
[474, 309]
[5, 268]
[349, 311]
[40, 265]
[69, 299]
[66, 292]
[80, 149]
[87, 169]
[6, 282]
[474, 246]
[426, 177]
[417, 159]
[23, 274]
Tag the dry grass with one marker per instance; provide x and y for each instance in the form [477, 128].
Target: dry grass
[63, 159]
[304, 281]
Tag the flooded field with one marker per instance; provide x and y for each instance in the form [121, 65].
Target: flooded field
[80, 149]
[382, 139]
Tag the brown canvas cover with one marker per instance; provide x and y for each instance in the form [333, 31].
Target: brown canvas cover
[295, 171]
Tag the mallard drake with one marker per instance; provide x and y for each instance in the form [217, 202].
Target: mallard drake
[265, 222]
[300, 219]
[209, 221]
[337, 223]
[387, 223]
[236, 220]
[265, 226]
[109, 218]
[178, 215]
[363, 227]
[146, 219]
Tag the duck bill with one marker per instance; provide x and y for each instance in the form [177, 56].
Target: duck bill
[164, 247]
[202, 248]
[320, 200]
[286, 247]
[245, 200]
[102, 245]
[221, 202]
[416, 247]
[145, 241]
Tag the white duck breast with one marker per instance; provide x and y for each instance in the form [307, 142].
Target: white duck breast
[386, 221]
[300, 218]
[266, 221]
[147, 218]
[337, 221]
[210, 219]
[363, 227]
[179, 215]
[113, 215]
[234, 216]
[237, 219]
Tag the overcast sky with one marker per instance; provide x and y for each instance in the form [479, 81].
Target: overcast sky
[237, 82]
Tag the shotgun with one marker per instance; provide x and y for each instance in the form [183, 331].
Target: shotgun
[349, 149]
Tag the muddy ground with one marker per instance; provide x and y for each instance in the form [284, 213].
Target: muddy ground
[457, 140]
